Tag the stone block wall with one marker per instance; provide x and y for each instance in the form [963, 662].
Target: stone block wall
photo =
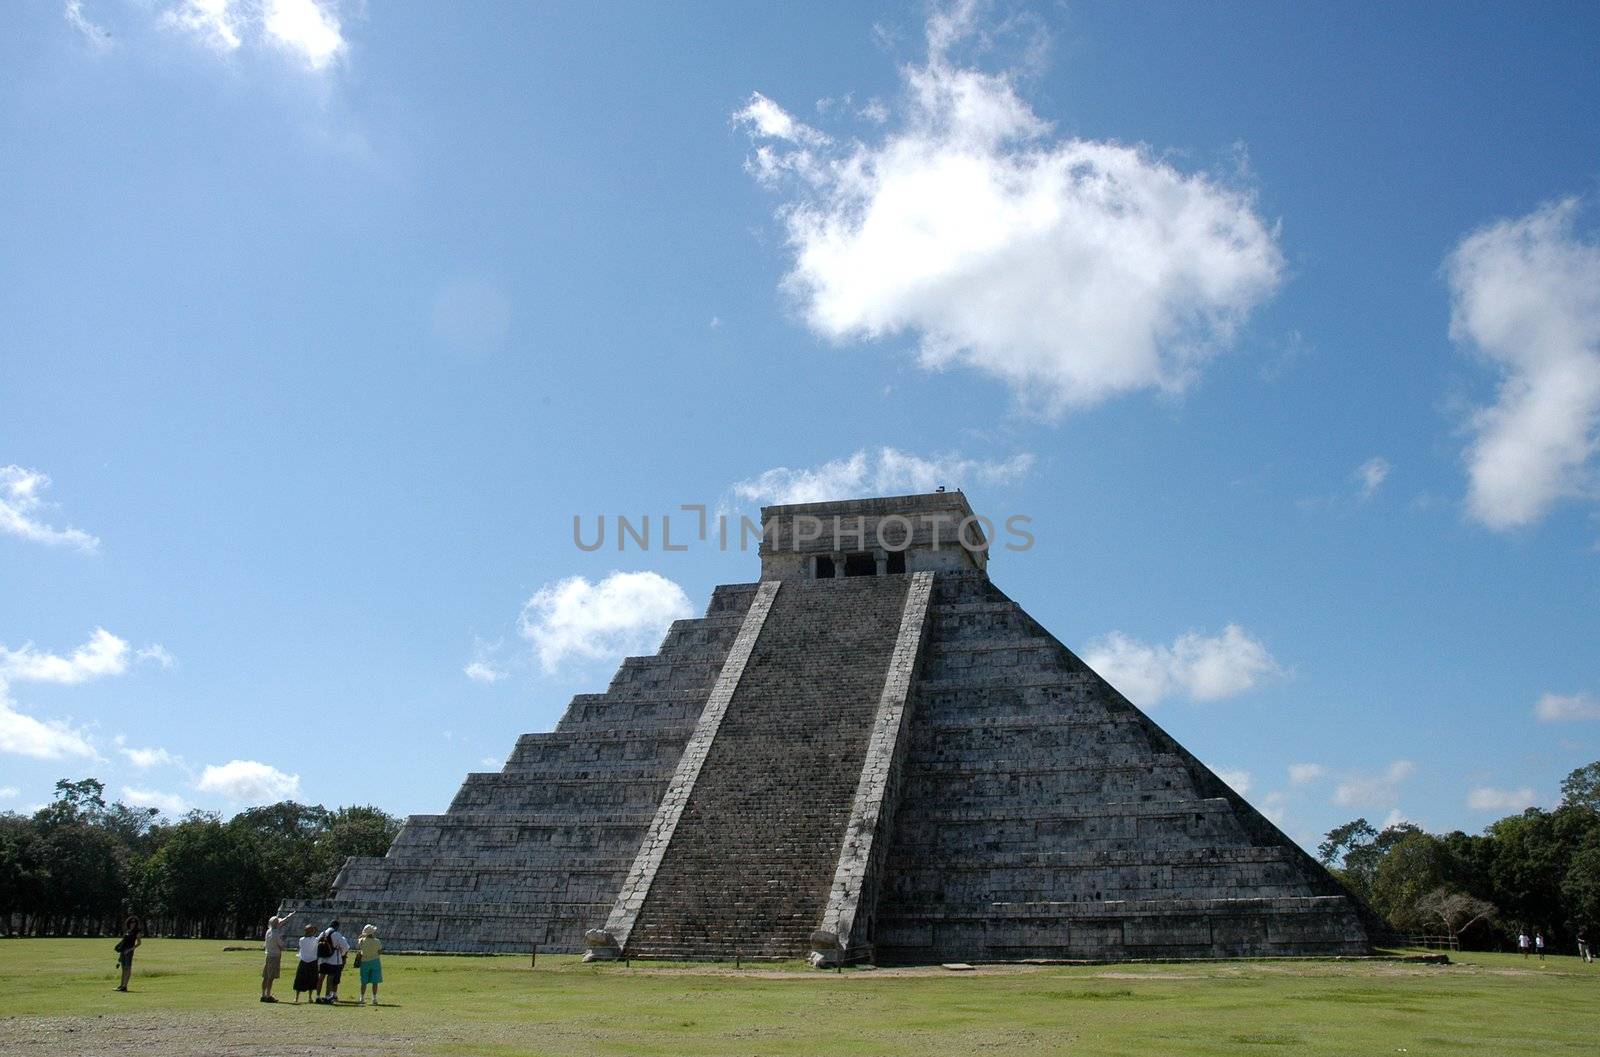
[1044, 816]
[535, 853]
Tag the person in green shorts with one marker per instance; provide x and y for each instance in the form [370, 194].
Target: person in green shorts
[369, 948]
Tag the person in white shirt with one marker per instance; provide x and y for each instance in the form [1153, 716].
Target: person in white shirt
[305, 974]
[1538, 942]
[331, 965]
[1522, 943]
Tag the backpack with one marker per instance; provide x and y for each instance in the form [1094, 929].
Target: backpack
[325, 945]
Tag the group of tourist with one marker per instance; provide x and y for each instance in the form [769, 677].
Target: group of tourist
[1538, 944]
[321, 961]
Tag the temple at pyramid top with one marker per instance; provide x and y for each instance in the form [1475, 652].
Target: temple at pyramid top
[931, 532]
[873, 752]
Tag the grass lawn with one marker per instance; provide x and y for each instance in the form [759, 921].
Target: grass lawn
[192, 997]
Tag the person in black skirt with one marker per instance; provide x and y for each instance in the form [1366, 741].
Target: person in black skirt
[125, 947]
[305, 973]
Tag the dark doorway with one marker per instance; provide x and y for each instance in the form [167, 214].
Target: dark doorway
[824, 568]
[860, 565]
[897, 561]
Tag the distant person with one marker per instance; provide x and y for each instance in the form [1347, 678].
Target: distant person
[368, 950]
[1538, 942]
[1583, 948]
[274, 944]
[1523, 944]
[331, 949]
[130, 940]
[306, 976]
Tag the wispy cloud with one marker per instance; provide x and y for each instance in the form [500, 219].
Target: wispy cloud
[214, 23]
[170, 803]
[308, 31]
[1238, 780]
[144, 759]
[1073, 270]
[886, 471]
[1306, 773]
[22, 505]
[1202, 667]
[93, 33]
[1374, 790]
[1566, 708]
[1486, 798]
[1526, 297]
[483, 672]
[1371, 474]
[623, 613]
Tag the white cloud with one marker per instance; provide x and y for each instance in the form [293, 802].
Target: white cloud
[1238, 780]
[1073, 270]
[887, 471]
[104, 654]
[144, 759]
[485, 666]
[1274, 806]
[1485, 798]
[492, 761]
[1306, 773]
[1206, 668]
[483, 672]
[1369, 790]
[1561, 708]
[94, 34]
[248, 782]
[9, 792]
[171, 803]
[768, 119]
[623, 613]
[214, 23]
[1526, 296]
[1394, 818]
[155, 653]
[1371, 475]
[22, 501]
[307, 28]
[23, 735]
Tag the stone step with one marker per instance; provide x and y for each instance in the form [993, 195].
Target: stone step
[754, 851]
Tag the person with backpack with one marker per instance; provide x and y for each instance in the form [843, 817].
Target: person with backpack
[306, 976]
[124, 950]
[331, 949]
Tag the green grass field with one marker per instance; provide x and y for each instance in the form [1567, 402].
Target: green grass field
[194, 997]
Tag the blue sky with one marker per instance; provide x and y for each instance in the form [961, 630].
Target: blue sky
[320, 321]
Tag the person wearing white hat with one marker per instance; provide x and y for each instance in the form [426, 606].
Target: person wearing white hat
[368, 950]
[275, 946]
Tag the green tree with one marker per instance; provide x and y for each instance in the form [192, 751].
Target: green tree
[1413, 866]
[351, 831]
[1581, 788]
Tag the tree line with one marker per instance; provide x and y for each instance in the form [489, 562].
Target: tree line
[1534, 872]
[79, 865]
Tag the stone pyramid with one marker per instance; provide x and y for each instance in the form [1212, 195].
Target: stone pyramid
[873, 752]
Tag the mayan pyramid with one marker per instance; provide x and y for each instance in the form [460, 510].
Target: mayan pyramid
[871, 753]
